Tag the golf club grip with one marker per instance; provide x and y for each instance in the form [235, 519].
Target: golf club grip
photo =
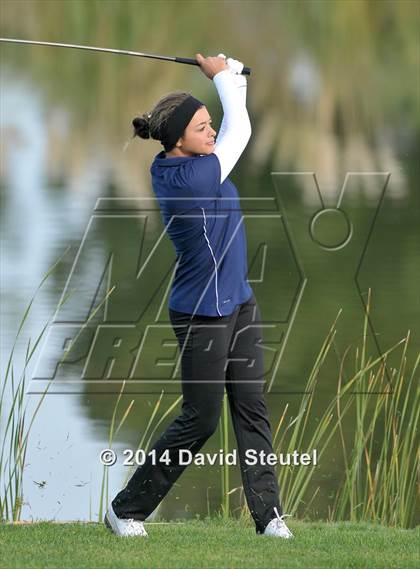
[188, 61]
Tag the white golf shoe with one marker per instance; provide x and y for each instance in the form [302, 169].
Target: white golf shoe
[123, 528]
[277, 527]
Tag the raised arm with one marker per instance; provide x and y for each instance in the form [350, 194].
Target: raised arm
[235, 130]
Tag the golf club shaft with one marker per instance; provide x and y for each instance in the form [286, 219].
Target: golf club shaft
[186, 60]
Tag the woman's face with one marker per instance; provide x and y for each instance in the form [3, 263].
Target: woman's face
[198, 137]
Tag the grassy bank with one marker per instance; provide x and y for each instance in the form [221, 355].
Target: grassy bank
[208, 543]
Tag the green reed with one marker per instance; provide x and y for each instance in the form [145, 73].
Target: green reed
[13, 417]
[379, 478]
[224, 470]
[382, 467]
[14, 436]
[143, 443]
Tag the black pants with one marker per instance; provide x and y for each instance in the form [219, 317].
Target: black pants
[216, 352]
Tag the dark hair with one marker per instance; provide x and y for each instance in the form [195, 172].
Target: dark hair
[149, 125]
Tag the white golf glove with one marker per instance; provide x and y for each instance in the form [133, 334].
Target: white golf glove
[235, 68]
[234, 65]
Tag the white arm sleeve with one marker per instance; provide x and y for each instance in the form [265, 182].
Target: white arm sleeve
[241, 85]
[235, 130]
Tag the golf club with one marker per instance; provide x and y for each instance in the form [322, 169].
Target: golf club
[186, 60]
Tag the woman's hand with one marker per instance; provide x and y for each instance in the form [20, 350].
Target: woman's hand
[210, 66]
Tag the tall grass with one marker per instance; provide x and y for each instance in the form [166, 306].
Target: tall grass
[379, 478]
[143, 443]
[379, 451]
[382, 467]
[225, 469]
[104, 485]
[14, 436]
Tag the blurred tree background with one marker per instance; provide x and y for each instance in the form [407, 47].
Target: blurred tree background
[334, 84]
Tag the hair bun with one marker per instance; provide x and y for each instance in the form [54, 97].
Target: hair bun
[141, 126]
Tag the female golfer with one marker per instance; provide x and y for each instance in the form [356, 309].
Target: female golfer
[212, 308]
